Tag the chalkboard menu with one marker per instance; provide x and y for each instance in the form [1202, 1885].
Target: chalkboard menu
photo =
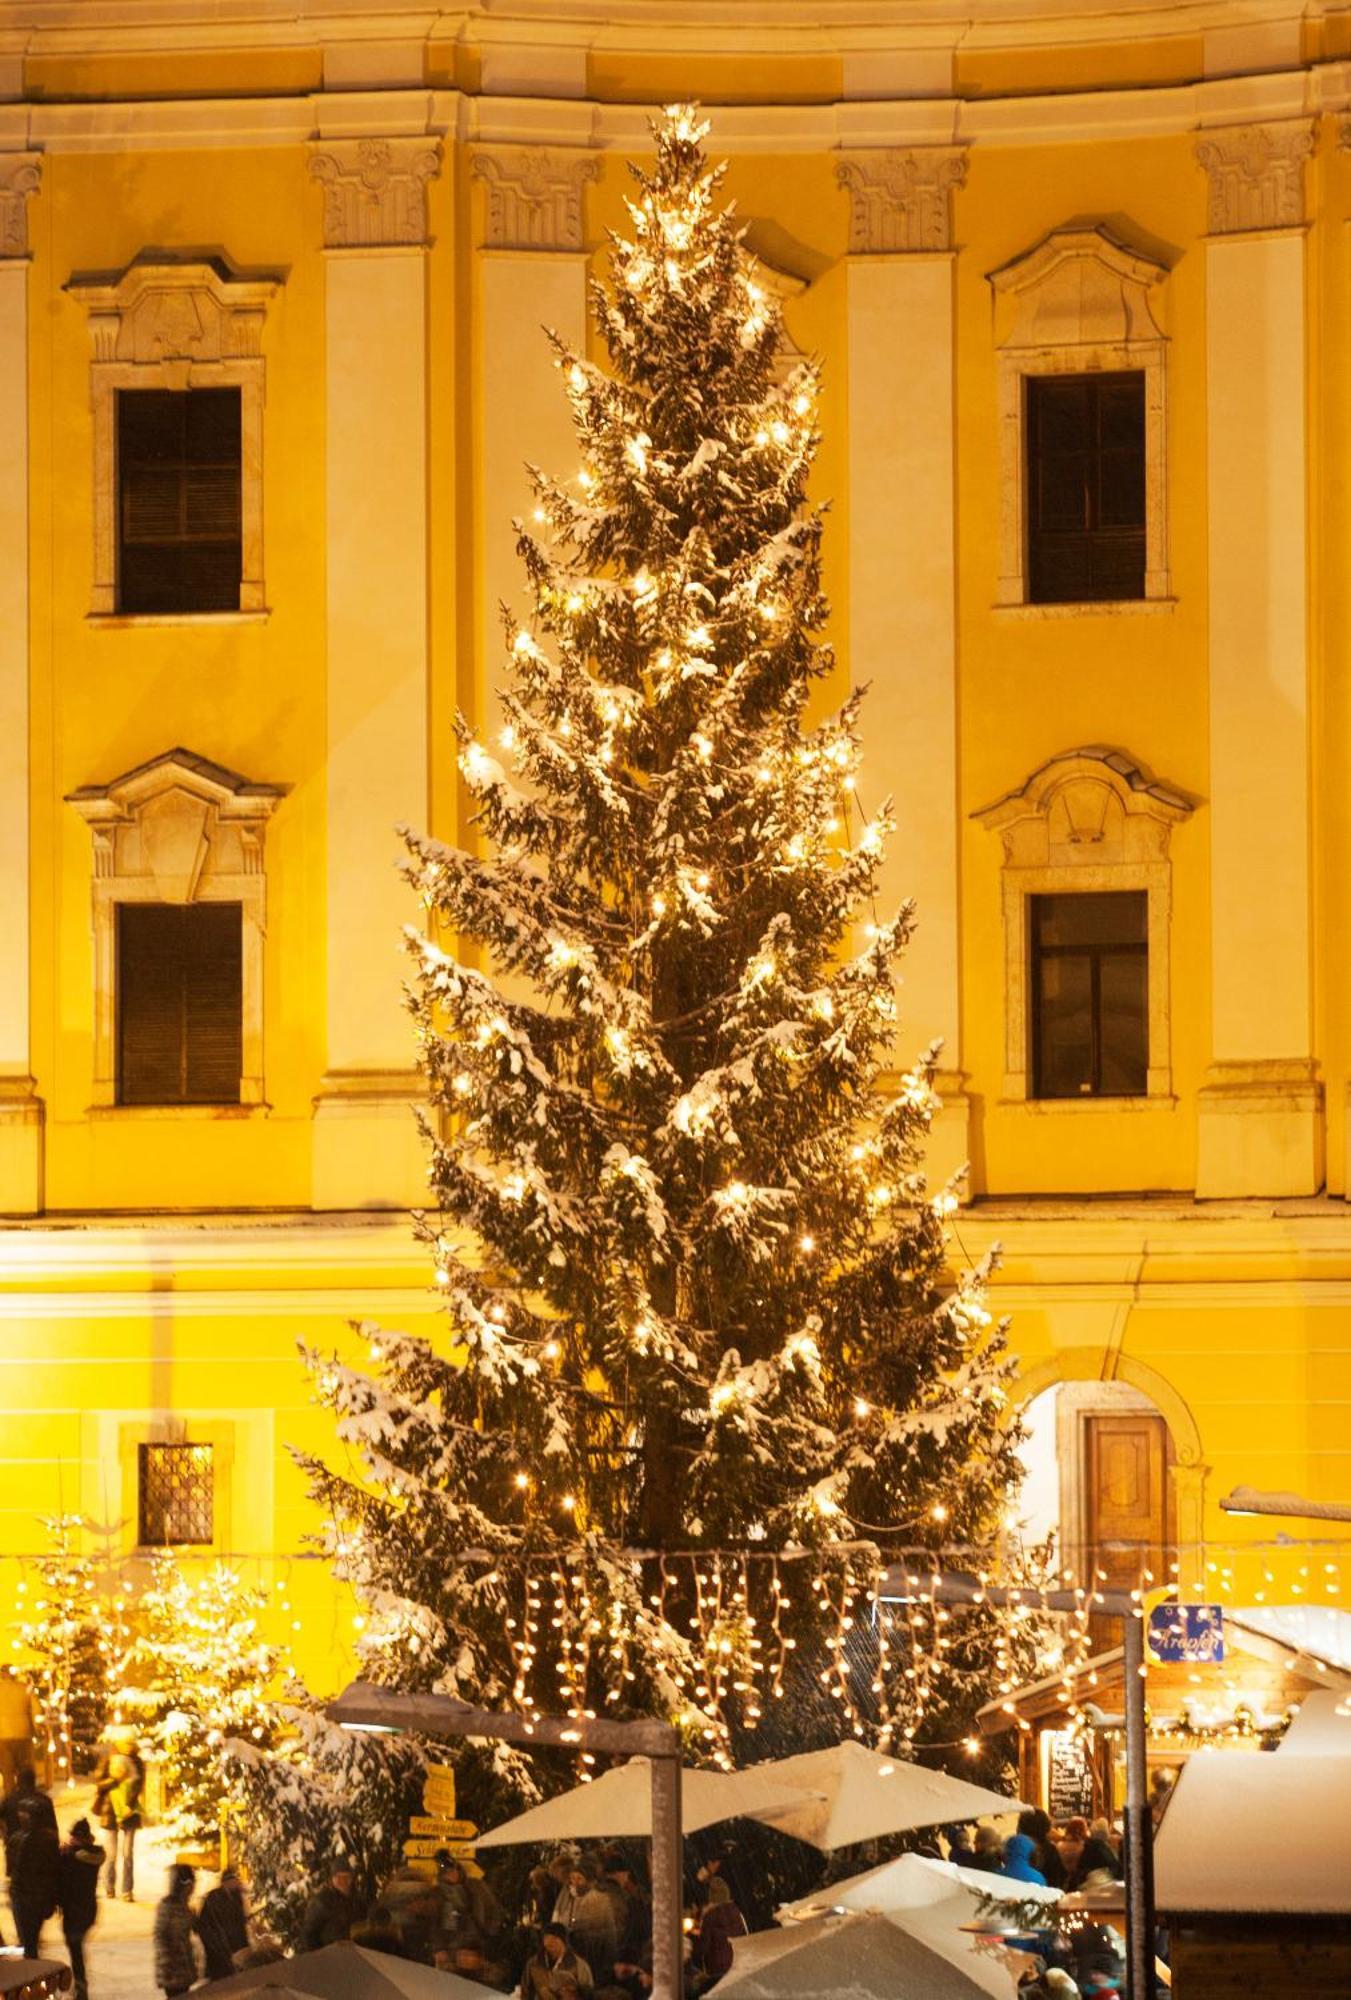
[1069, 1777]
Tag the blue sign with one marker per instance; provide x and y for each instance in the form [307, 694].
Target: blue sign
[1186, 1634]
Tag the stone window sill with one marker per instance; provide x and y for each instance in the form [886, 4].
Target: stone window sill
[117, 621]
[1123, 607]
[1073, 1107]
[205, 1114]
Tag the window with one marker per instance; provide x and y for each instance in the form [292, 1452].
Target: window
[1085, 487]
[176, 1495]
[179, 1003]
[179, 521]
[1090, 994]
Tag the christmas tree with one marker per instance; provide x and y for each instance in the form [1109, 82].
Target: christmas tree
[205, 1672]
[700, 1318]
[75, 1650]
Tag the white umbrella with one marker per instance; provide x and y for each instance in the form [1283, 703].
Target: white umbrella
[917, 1882]
[619, 1805]
[859, 1956]
[1322, 1727]
[860, 1795]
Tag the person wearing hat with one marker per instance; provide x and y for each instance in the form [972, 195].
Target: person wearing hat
[553, 1965]
[175, 1945]
[81, 1859]
[333, 1909]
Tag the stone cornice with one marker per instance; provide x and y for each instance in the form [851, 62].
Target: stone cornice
[375, 190]
[535, 197]
[902, 200]
[20, 177]
[1256, 175]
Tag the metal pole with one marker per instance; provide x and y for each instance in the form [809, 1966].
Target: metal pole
[1139, 1842]
[668, 1882]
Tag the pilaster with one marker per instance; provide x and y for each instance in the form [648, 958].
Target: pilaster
[21, 1109]
[1260, 1113]
[367, 1151]
[902, 572]
[531, 273]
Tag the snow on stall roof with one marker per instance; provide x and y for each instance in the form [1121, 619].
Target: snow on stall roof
[1248, 1832]
[1322, 1727]
[1317, 1629]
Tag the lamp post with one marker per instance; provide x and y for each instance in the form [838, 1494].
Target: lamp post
[363, 1706]
[948, 1587]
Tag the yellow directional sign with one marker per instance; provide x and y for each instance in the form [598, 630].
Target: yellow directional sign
[443, 1829]
[427, 1850]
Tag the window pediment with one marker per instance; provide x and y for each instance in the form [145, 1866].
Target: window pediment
[162, 309]
[1093, 805]
[1079, 287]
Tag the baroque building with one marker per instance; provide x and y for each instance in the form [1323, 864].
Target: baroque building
[272, 283]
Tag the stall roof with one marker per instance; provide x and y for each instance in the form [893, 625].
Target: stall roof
[1256, 1836]
[1322, 1728]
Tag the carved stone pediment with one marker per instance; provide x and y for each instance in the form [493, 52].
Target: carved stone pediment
[1079, 287]
[160, 310]
[1092, 805]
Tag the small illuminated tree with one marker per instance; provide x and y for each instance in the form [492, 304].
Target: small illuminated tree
[75, 1647]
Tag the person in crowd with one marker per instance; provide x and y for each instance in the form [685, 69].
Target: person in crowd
[119, 1785]
[1097, 1865]
[79, 1865]
[633, 1976]
[1101, 1829]
[555, 1962]
[332, 1909]
[377, 1931]
[1019, 1860]
[989, 1850]
[1036, 1826]
[1071, 1845]
[1161, 1785]
[175, 1938]
[469, 1917]
[414, 1903]
[591, 1926]
[27, 1793]
[960, 1850]
[34, 1870]
[634, 1911]
[719, 1923]
[223, 1925]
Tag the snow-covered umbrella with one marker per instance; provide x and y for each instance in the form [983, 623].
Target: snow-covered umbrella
[619, 1805]
[857, 1794]
[349, 1972]
[918, 1882]
[856, 1956]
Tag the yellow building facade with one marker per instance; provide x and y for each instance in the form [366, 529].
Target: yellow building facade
[355, 218]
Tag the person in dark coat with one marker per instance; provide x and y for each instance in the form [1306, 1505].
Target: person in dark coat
[27, 1792]
[720, 1923]
[960, 1851]
[223, 1925]
[175, 1952]
[378, 1931]
[332, 1910]
[81, 1861]
[1096, 1858]
[34, 1871]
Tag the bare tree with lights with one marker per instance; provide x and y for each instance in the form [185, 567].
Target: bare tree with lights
[697, 1291]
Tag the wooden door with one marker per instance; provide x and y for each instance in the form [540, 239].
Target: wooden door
[1127, 1495]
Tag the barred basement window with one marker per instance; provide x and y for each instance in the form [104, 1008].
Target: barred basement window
[177, 1489]
[179, 1003]
[179, 507]
[1090, 994]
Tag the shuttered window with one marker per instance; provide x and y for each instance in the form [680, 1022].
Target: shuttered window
[1090, 994]
[1085, 487]
[177, 1495]
[179, 1003]
[180, 542]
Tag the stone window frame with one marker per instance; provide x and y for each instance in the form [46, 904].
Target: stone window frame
[176, 325]
[1079, 304]
[1088, 820]
[177, 830]
[220, 1435]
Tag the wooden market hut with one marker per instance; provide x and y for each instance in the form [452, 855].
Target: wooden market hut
[1243, 1703]
[1251, 1877]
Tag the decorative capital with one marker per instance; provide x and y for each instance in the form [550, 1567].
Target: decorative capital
[375, 190]
[1256, 175]
[535, 197]
[20, 177]
[902, 200]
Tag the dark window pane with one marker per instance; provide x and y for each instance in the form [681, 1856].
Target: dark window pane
[177, 1495]
[179, 500]
[1123, 1002]
[1085, 483]
[1065, 1027]
[179, 1003]
[1089, 974]
[1113, 917]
